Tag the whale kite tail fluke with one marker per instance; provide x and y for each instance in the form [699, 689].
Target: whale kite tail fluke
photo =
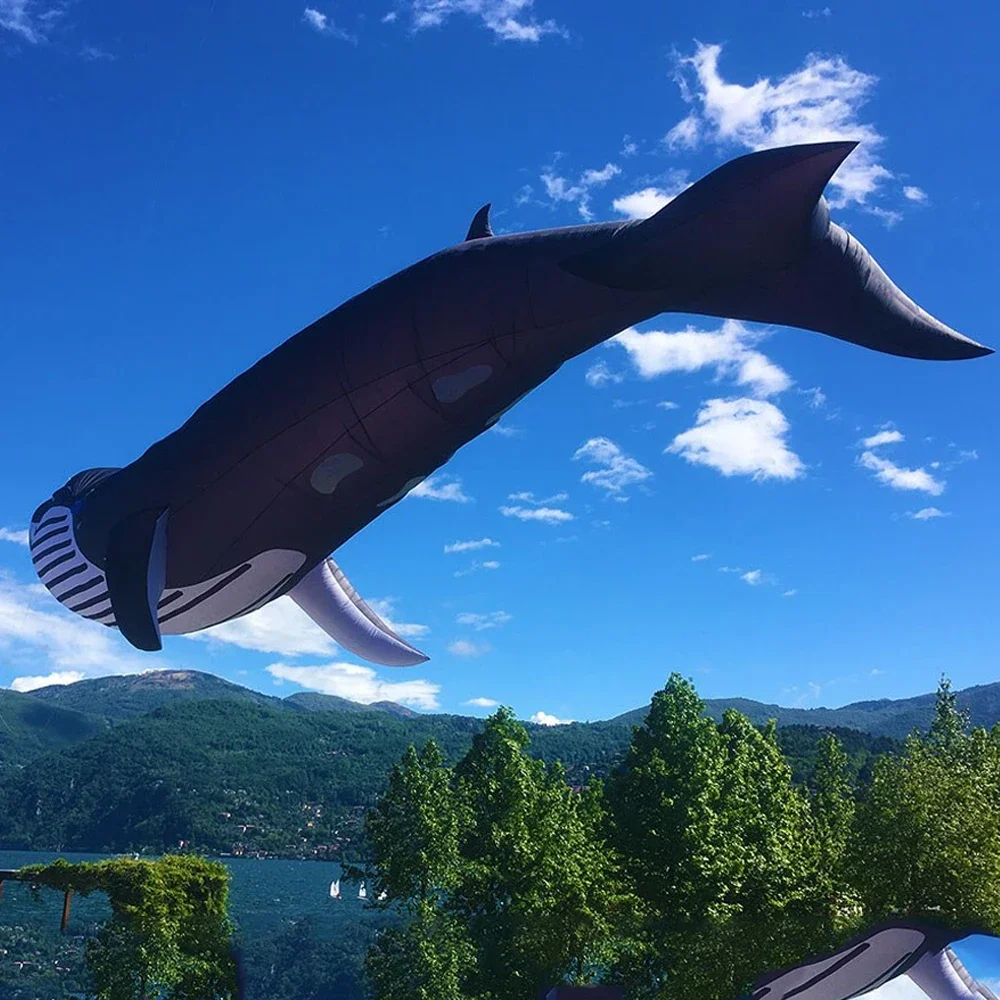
[328, 598]
[753, 241]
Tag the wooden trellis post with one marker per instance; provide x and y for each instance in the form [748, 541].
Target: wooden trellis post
[7, 874]
[65, 916]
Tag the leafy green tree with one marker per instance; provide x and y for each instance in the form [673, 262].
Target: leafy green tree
[927, 840]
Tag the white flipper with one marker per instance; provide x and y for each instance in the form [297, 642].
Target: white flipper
[328, 598]
[940, 975]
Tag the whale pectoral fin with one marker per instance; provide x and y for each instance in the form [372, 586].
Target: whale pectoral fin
[135, 569]
[328, 598]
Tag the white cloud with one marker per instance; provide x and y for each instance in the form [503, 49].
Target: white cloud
[509, 20]
[648, 201]
[814, 13]
[464, 647]
[440, 488]
[629, 148]
[882, 437]
[701, 557]
[599, 375]
[482, 702]
[546, 515]
[26, 684]
[18, 536]
[279, 627]
[789, 593]
[472, 545]
[481, 622]
[544, 719]
[817, 398]
[358, 683]
[912, 193]
[325, 26]
[667, 405]
[505, 430]
[753, 577]
[616, 469]
[475, 566]
[899, 478]
[390, 17]
[727, 350]
[927, 513]
[384, 607]
[29, 19]
[35, 629]
[558, 188]
[819, 102]
[526, 496]
[740, 437]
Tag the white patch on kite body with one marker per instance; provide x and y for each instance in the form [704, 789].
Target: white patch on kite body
[451, 388]
[410, 484]
[327, 476]
[201, 605]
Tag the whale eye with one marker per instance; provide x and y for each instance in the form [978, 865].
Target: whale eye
[327, 476]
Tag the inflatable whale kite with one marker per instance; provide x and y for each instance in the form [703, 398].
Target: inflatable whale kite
[246, 501]
[921, 953]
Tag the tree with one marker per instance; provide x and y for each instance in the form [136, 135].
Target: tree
[927, 838]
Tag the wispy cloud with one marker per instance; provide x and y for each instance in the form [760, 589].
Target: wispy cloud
[324, 25]
[927, 514]
[900, 478]
[482, 622]
[915, 194]
[881, 438]
[740, 437]
[19, 536]
[701, 557]
[753, 577]
[667, 405]
[476, 566]
[559, 189]
[790, 593]
[599, 375]
[506, 430]
[30, 20]
[482, 702]
[472, 545]
[816, 397]
[729, 351]
[526, 496]
[509, 20]
[545, 719]
[819, 102]
[467, 648]
[616, 471]
[440, 487]
[280, 627]
[358, 683]
[545, 515]
[26, 684]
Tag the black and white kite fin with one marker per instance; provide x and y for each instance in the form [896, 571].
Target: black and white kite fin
[328, 598]
[135, 570]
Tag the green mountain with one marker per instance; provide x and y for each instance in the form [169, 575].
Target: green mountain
[29, 728]
[887, 717]
[129, 695]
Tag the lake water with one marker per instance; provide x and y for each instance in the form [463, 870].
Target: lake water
[264, 895]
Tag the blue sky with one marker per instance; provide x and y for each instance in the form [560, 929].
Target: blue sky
[774, 513]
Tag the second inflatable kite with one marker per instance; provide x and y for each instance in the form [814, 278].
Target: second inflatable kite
[246, 501]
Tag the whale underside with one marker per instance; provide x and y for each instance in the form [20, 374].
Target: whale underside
[246, 501]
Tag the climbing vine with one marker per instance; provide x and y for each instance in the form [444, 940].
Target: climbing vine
[169, 936]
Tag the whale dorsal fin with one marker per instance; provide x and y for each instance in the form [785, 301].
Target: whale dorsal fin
[480, 228]
[135, 569]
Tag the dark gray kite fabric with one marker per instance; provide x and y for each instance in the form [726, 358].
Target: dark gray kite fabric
[918, 951]
[246, 501]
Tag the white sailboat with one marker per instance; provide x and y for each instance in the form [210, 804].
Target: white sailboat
[335, 889]
[362, 892]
